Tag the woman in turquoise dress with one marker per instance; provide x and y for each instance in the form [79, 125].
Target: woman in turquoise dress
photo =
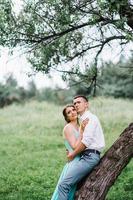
[72, 134]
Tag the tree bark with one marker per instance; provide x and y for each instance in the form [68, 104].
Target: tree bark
[96, 185]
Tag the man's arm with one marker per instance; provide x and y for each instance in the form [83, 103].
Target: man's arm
[81, 147]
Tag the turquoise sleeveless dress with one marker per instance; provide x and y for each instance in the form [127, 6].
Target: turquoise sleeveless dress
[66, 168]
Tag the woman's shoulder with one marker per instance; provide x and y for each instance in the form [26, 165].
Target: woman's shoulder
[67, 130]
[67, 127]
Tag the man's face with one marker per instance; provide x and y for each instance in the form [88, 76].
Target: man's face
[80, 104]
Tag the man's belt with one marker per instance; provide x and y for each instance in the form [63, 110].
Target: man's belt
[92, 151]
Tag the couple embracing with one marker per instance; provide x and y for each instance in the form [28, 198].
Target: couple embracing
[84, 144]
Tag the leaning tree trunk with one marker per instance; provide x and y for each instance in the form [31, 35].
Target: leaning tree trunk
[98, 182]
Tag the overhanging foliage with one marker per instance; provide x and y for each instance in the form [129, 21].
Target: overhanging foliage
[54, 32]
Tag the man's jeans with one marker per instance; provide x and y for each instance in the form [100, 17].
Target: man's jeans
[86, 163]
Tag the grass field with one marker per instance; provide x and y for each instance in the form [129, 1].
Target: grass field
[32, 151]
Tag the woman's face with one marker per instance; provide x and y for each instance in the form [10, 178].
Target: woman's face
[71, 113]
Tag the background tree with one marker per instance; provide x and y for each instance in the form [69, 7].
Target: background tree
[61, 31]
[117, 80]
[114, 80]
[9, 91]
[32, 90]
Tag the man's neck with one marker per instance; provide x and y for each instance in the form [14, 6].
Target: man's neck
[82, 112]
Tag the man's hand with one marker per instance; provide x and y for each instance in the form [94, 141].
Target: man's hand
[83, 125]
[70, 156]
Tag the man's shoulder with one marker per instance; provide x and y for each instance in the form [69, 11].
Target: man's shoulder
[91, 115]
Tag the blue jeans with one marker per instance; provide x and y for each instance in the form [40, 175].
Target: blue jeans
[86, 163]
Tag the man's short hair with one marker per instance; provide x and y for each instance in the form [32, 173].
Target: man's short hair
[84, 97]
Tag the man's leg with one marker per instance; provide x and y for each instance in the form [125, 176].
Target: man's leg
[76, 173]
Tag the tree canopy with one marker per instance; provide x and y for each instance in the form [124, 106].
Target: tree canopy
[54, 32]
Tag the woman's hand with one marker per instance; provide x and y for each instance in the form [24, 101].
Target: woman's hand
[83, 125]
[70, 156]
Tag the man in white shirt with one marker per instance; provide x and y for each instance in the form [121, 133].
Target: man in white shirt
[91, 145]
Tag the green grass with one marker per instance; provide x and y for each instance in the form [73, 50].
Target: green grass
[32, 151]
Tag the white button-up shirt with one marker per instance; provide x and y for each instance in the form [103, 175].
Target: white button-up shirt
[93, 137]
